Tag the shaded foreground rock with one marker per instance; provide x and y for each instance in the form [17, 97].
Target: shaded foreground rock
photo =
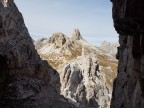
[25, 80]
[128, 16]
[128, 90]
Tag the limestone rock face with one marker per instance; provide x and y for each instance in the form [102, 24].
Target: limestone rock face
[76, 34]
[86, 72]
[128, 90]
[58, 38]
[73, 87]
[84, 86]
[26, 81]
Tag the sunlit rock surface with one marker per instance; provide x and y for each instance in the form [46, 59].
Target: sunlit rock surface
[86, 72]
[77, 35]
[109, 47]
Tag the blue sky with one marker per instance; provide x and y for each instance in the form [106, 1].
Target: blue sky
[92, 17]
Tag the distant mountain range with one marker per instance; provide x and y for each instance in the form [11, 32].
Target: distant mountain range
[110, 48]
[86, 72]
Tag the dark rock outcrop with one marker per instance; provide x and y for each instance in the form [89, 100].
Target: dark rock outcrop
[128, 16]
[128, 91]
[25, 80]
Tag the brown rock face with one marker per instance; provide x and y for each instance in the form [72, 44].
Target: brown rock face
[128, 89]
[25, 80]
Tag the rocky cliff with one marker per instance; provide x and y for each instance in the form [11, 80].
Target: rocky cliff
[26, 81]
[86, 73]
[128, 90]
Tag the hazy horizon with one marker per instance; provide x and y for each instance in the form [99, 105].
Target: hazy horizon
[93, 18]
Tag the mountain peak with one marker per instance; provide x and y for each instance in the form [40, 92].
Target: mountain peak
[58, 34]
[76, 34]
[58, 38]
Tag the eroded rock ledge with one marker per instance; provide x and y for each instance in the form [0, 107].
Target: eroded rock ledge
[25, 80]
[128, 91]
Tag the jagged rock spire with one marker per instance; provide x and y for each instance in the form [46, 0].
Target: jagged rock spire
[76, 34]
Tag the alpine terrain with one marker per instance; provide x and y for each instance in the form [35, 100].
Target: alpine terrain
[86, 72]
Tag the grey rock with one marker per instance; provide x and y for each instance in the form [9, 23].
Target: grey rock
[128, 89]
[86, 72]
[76, 35]
[83, 88]
[110, 48]
[26, 81]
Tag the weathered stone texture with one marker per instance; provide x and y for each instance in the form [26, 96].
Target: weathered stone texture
[25, 80]
[128, 90]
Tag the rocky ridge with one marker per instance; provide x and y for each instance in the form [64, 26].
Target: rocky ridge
[26, 81]
[86, 73]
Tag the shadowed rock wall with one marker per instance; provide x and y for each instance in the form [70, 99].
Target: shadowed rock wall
[128, 90]
[25, 80]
